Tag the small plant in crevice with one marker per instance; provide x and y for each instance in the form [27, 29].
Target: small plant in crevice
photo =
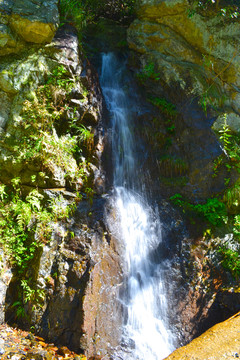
[230, 260]
[148, 72]
[231, 157]
[165, 106]
[35, 296]
[231, 197]
[213, 210]
[231, 144]
[85, 134]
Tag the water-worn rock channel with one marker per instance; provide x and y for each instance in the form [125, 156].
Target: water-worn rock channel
[94, 256]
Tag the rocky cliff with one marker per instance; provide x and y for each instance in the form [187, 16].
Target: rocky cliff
[60, 262]
[190, 60]
[187, 64]
[63, 280]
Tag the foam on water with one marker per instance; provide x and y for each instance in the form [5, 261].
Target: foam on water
[146, 333]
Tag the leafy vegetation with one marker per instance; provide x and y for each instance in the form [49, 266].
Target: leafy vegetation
[215, 212]
[148, 72]
[26, 224]
[40, 143]
[225, 212]
[20, 219]
[26, 217]
[82, 12]
[230, 11]
[230, 260]
[221, 212]
[231, 143]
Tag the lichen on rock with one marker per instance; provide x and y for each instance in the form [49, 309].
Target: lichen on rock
[24, 22]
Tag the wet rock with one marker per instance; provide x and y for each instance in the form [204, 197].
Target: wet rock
[232, 120]
[85, 287]
[79, 276]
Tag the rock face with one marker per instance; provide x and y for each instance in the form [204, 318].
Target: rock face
[6, 275]
[220, 342]
[80, 275]
[26, 21]
[48, 88]
[189, 51]
[193, 63]
[19, 81]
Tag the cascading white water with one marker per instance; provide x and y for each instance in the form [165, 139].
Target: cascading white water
[146, 334]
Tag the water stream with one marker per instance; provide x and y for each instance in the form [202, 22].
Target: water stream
[146, 333]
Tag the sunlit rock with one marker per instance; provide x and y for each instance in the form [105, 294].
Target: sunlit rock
[196, 53]
[192, 61]
[220, 342]
[24, 22]
[232, 120]
[32, 31]
[6, 275]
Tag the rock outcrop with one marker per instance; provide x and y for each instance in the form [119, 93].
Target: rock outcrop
[196, 54]
[26, 22]
[220, 342]
[192, 62]
[50, 95]
[79, 273]
[20, 80]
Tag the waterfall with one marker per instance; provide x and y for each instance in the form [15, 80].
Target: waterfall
[146, 333]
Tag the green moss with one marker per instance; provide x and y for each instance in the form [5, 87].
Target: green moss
[172, 167]
[148, 72]
[174, 181]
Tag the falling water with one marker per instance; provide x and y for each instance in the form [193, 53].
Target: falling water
[146, 334]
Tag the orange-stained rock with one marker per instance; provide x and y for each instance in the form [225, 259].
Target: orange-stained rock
[221, 342]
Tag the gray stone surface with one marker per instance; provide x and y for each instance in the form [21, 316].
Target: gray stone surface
[232, 120]
[5, 278]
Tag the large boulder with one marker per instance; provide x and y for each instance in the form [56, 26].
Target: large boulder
[220, 342]
[24, 22]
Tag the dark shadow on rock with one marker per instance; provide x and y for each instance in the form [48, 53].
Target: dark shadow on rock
[226, 304]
